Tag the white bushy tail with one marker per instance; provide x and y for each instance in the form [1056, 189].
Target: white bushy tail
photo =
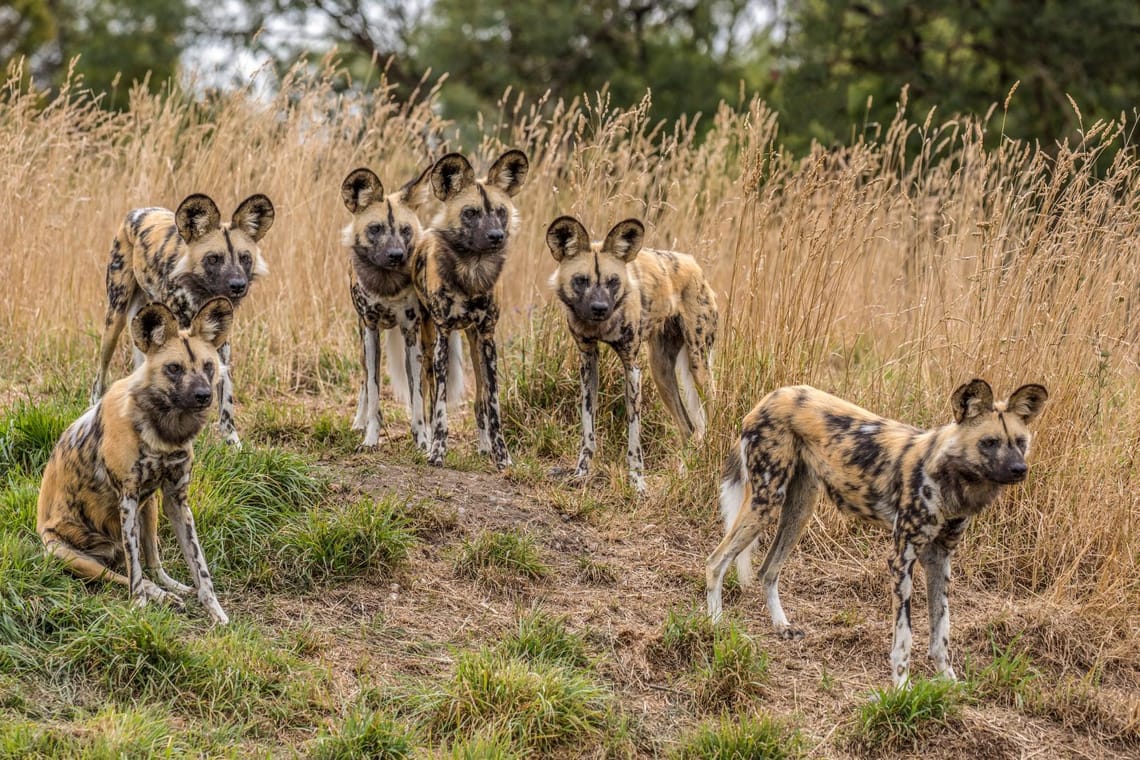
[733, 486]
[690, 398]
[398, 366]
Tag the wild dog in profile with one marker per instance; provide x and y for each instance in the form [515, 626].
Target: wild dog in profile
[98, 505]
[380, 240]
[924, 485]
[183, 259]
[455, 269]
[619, 293]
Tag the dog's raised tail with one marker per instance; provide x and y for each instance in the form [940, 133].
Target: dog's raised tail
[734, 489]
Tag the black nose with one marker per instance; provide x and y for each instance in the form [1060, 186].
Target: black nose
[1018, 469]
[395, 256]
[496, 236]
[203, 396]
[600, 309]
[237, 287]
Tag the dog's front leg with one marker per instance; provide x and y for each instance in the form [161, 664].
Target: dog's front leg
[177, 509]
[142, 590]
[633, 409]
[901, 566]
[588, 373]
[414, 356]
[226, 425]
[372, 420]
[489, 357]
[439, 409]
[152, 559]
[936, 562]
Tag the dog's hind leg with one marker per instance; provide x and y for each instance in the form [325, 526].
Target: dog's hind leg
[664, 350]
[226, 425]
[122, 291]
[799, 502]
[744, 531]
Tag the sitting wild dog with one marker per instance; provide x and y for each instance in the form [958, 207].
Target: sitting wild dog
[380, 239]
[98, 506]
[923, 485]
[182, 259]
[619, 293]
[455, 269]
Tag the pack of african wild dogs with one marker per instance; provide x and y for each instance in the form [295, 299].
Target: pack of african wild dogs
[424, 262]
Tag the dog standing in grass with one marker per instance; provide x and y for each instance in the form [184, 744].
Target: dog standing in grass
[380, 240]
[183, 259]
[619, 293]
[98, 504]
[924, 485]
[455, 269]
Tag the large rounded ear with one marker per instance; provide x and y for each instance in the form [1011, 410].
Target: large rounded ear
[509, 171]
[213, 321]
[254, 216]
[153, 326]
[419, 191]
[566, 238]
[624, 240]
[360, 189]
[197, 216]
[450, 175]
[1027, 401]
[972, 399]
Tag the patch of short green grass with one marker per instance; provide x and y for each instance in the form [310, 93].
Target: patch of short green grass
[480, 747]
[734, 670]
[1009, 678]
[18, 499]
[500, 558]
[686, 637]
[895, 718]
[750, 737]
[596, 572]
[29, 432]
[364, 733]
[541, 638]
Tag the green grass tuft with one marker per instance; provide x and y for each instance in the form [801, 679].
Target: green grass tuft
[686, 638]
[500, 558]
[749, 738]
[1010, 678]
[28, 433]
[493, 747]
[895, 718]
[366, 734]
[734, 670]
[540, 638]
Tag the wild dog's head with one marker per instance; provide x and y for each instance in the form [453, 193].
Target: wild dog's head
[592, 279]
[993, 437]
[175, 385]
[221, 259]
[384, 230]
[476, 217]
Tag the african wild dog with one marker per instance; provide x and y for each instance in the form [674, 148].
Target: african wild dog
[98, 506]
[182, 259]
[622, 294]
[380, 239]
[455, 269]
[925, 485]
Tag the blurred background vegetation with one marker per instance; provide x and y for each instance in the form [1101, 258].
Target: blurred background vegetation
[833, 69]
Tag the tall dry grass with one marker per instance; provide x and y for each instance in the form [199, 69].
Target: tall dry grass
[887, 272]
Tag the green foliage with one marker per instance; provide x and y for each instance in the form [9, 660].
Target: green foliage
[1009, 678]
[500, 558]
[29, 432]
[734, 670]
[110, 734]
[366, 734]
[539, 638]
[749, 738]
[686, 637]
[894, 718]
[493, 747]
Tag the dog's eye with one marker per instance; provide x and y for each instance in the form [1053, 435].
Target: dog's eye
[406, 232]
[246, 260]
[208, 368]
[613, 282]
[374, 229]
[173, 369]
[1021, 442]
[469, 214]
[212, 260]
[579, 281]
[989, 443]
[501, 212]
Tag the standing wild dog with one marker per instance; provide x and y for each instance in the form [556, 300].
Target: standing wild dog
[98, 506]
[622, 294]
[925, 485]
[455, 269]
[380, 239]
[182, 259]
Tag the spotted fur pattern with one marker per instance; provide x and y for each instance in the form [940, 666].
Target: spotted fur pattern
[456, 267]
[621, 294]
[923, 485]
[98, 504]
[182, 259]
[380, 240]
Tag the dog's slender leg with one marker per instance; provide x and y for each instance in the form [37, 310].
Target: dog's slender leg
[588, 374]
[372, 419]
[83, 565]
[482, 436]
[141, 589]
[439, 408]
[177, 510]
[797, 494]
[742, 533]
[901, 566]
[152, 560]
[494, 417]
[414, 355]
[116, 320]
[633, 409]
[226, 398]
[360, 420]
[122, 290]
[936, 562]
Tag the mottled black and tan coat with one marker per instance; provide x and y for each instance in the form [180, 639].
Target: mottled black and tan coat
[380, 240]
[923, 485]
[182, 259]
[617, 292]
[455, 269]
[98, 504]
